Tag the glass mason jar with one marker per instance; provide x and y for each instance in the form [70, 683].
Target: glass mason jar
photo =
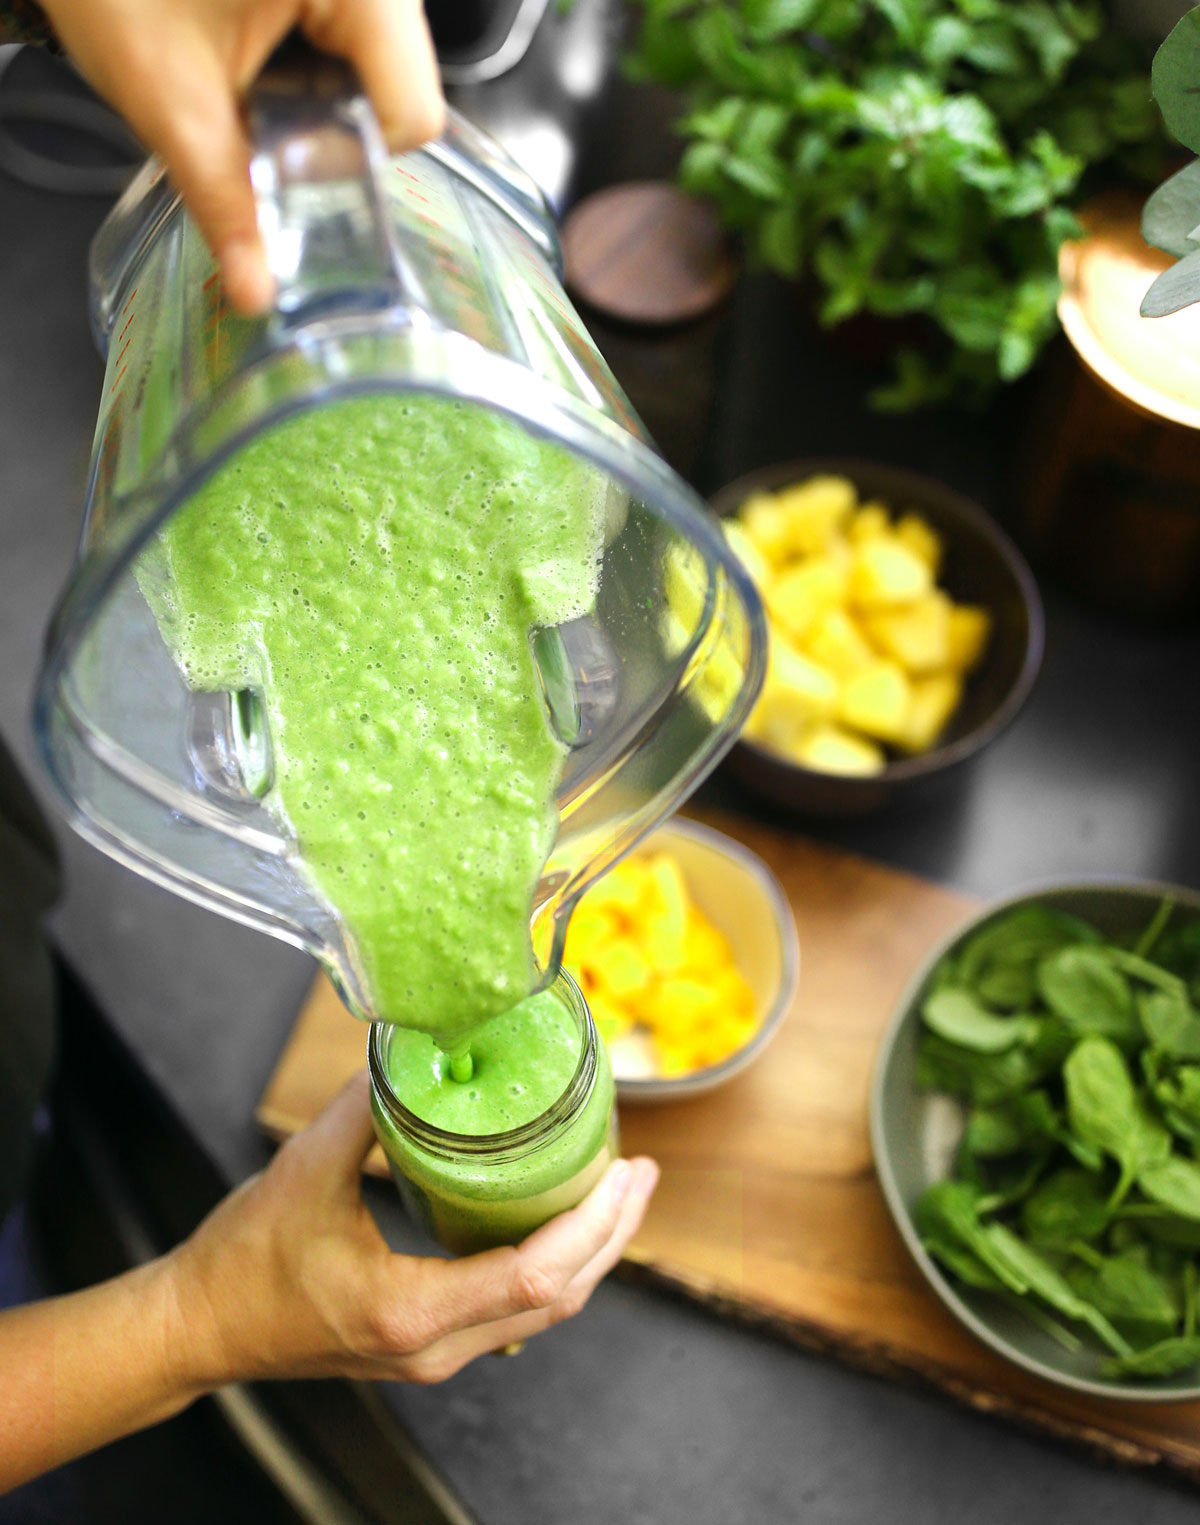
[475, 1191]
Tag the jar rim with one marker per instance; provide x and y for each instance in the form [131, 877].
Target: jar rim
[514, 1142]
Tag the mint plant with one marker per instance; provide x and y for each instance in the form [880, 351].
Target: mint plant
[909, 157]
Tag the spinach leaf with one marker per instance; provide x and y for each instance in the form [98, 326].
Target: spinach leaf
[1068, 1206]
[1015, 1262]
[1175, 1185]
[1105, 1110]
[1177, 1095]
[1161, 1360]
[1025, 1122]
[966, 1266]
[1170, 1022]
[1130, 1294]
[1081, 986]
[1000, 962]
[956, 1016]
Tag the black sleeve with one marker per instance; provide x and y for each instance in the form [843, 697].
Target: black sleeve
[25, 21]
[29, 882]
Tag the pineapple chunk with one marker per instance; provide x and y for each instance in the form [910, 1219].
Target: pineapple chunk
[968, 635]
[685, 585]
[868, 523]
[876, 701]
[934, 700]
[829, 749]
[798, 597]
[917, 635]
[797, 693]
[816, 510]
[837, 643]
[767, 524]
[921, 538]
[884, 573]
[747, 552]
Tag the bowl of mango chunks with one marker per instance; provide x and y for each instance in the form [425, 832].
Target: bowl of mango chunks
[905, 632]
[686, 953]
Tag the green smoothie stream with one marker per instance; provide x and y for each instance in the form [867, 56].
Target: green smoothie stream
[375, 570]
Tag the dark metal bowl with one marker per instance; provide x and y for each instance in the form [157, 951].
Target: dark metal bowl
[981, 566]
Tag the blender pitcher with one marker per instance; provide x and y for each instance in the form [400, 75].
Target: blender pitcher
[433, 272]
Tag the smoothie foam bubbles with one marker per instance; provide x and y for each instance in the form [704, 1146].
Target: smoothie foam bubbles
[375, 571]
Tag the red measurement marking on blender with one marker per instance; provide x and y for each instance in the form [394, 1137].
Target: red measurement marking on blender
[121, 369]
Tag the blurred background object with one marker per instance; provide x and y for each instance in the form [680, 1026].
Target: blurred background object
[1108, 494]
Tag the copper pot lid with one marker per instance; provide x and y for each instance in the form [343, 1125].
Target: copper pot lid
[1154, 363]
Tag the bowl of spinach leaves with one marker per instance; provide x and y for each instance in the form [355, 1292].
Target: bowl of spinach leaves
[1035, 1120]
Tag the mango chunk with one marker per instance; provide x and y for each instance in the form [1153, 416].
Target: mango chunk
[705, 951]
[917, 635]
[664, 915]
[836, 642]
[830, 749]
[624, 970]
[591, 929]
[619, 892]
[967, 634]
[816, 510]
[884, 573]
[801, 594]
[876, 701]
[934, 699]
[921, 539]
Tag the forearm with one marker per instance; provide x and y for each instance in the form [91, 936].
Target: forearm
[88, 1368]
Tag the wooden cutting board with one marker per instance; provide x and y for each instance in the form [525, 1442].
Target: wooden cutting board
[768, 1209]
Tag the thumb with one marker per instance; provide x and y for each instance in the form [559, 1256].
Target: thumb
[338, 1140]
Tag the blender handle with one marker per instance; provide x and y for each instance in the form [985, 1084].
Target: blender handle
[317, 169]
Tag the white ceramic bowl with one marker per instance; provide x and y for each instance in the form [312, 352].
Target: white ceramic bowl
[743, 900]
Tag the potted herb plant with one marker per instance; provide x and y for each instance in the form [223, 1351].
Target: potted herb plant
[913, 159]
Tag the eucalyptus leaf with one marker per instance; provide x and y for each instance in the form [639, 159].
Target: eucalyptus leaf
[1173, 77]
[1171, 213]
[1174, 289]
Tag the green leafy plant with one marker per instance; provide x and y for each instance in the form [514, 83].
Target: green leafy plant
[1076, 1191]
[1171, 219]
[914, 158]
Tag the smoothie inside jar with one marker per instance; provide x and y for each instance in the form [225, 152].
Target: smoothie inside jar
[376, 571]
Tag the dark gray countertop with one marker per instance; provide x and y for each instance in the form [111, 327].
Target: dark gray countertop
[644, 1409]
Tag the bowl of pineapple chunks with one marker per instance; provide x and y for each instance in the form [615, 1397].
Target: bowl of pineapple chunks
[686, 953]
[905, 632]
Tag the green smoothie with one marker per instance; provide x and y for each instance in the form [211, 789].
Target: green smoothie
[487, 1161]
[375, 569]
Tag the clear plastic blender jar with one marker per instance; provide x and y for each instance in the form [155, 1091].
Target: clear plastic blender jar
[435, 273]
